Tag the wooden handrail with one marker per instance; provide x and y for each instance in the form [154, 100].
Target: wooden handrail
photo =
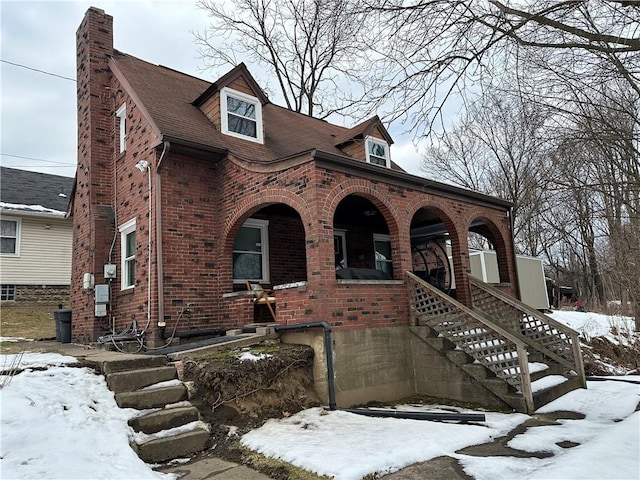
[509, 349]
[576, 363]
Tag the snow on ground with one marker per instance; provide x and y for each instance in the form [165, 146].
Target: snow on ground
[590, 324]
[63, 423]
[349, 446]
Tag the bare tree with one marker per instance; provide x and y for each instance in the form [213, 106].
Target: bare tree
[500, 148]
[437, 49]
[308, 46]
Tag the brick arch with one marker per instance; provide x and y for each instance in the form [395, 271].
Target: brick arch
[246, 207]
[459, 249]
[499, 242]
[363, 188]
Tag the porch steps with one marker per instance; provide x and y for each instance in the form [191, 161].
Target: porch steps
[497, 386]
[169, 425]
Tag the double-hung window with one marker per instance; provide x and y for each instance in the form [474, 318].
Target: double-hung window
[251, 252]
[10, 236]
[128, 248]
[241, 115]
[382, 246]
[377, 152]
[121, 126]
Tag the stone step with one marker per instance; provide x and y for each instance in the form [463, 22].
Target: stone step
[477, 371]
[153, 398]
[132, 362]
[548, 395]
[168, 448]
[136, 379]
[459, 357]
[164, 419]
[440, 343]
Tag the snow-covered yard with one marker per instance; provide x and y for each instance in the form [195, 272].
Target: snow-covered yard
[60, 422]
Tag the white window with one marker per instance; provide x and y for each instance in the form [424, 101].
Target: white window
[128, 249]
[121, 126]
[382, 246]
[8, 293]
[340, 248]
[377, 152]
[241, 115]
[10, 236]
[251, 252]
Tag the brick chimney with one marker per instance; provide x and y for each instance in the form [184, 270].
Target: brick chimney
[93, 218]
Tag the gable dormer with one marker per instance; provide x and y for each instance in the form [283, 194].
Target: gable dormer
[369, 141]
[234, 105]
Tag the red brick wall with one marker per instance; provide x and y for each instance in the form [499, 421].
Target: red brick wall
[92, 208]
[205, 201]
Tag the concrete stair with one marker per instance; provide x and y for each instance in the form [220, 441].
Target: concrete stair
[499, 387]
[169, 430]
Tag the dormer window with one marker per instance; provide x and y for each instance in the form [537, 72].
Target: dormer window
[241, 115]
[377, 152]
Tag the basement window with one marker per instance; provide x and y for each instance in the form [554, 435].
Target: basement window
[7, 293]
[377, 152]
[241, 115]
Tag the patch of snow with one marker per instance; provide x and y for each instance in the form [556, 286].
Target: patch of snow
[15, 339]
[535, 367]
[547, 382]
[166, 383]
[252, 357]
[31, 208]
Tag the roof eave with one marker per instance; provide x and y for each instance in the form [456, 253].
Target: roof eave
[349, 165]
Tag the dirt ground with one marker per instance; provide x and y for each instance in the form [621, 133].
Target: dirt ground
[235, 396]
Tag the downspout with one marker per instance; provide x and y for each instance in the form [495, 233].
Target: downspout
[159, 261]
[328, 351]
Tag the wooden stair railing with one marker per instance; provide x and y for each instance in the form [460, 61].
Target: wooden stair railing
[494, 347]
[551, 338]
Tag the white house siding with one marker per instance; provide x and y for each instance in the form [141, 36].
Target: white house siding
[45, 253]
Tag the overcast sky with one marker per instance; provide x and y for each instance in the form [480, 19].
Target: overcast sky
[39, 110]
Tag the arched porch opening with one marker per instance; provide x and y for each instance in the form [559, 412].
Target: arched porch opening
[487, 252]
[267, 246]
[433, 238]
[363, 241]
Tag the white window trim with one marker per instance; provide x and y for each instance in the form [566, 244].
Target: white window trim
[342, 235]
[228, 92]
[121, 113]
[381, 237]
[125, 229]
[263, 226]
[387, 159]
[18, 235]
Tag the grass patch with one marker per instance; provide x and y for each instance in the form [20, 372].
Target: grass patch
[277, 469]
[27, 321]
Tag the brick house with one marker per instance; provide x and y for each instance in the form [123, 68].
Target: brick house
[191, 188]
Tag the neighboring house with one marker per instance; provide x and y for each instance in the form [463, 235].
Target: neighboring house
[36, 238]
[186, 190]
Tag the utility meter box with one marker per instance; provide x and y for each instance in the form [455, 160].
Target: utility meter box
[102, 293]
[101, 309]
[109, 270]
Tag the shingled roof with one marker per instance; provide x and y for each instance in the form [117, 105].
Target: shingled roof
[34, 192]
[170, 98]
